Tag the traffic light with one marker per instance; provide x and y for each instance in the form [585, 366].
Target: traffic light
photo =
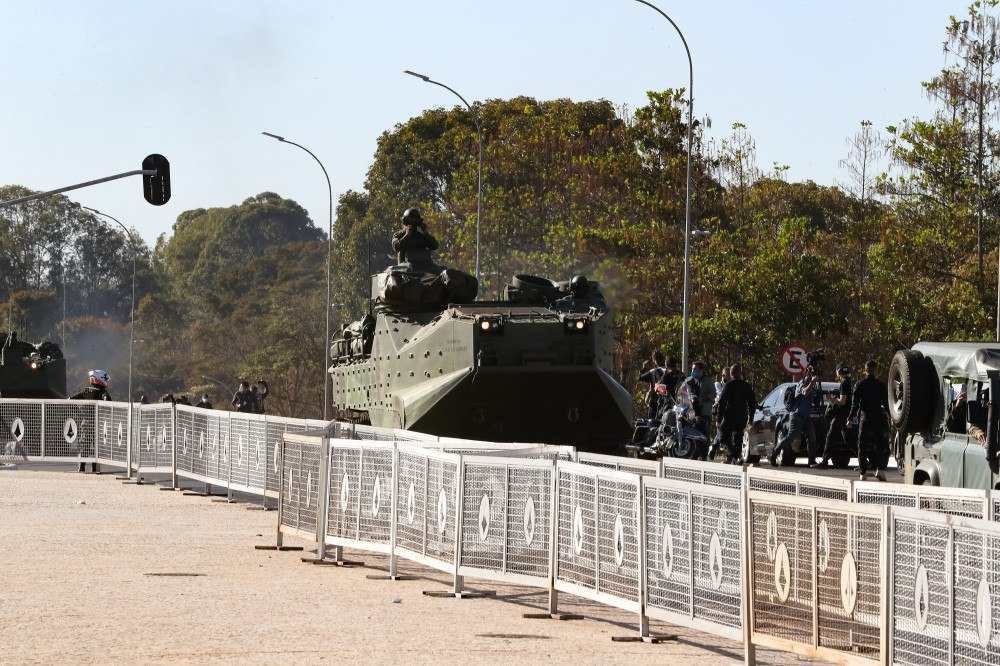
[156, 188]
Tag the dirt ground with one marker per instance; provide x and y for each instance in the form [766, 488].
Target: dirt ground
[77, 553]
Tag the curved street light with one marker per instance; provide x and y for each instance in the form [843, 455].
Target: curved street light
[479, 136]
[687, 196]
[329, 259]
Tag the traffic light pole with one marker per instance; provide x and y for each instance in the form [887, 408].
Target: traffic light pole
[42, 195]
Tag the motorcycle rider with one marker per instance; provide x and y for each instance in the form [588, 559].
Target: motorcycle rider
[691, 392]
[736, 406]
[837, 414]
[871, 407]
[96, 389]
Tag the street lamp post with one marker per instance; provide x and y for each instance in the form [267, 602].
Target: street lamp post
[479, 138]
[687, 196]
[131, 325]
[329, 258]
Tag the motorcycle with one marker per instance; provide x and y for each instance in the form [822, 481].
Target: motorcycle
[673, 433]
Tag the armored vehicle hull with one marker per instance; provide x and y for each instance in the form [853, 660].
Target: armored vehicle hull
[530, 368]
[31, 371]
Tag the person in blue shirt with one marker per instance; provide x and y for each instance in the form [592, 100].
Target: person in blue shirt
[800, 414]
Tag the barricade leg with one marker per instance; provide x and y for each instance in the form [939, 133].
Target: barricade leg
[278, 541]
[393, 560]
[458, 590]
[643, 636]
[553, 610]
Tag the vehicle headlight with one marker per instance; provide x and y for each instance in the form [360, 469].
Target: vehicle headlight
[576, 325]
[490, 325]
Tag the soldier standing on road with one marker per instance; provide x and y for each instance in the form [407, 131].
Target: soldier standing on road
[243, 399]
[837, 415]
[204, 403]
[260, 391]
[654, 376]
[692, 391]
[735, 408]
[97, 389]
[871, 406]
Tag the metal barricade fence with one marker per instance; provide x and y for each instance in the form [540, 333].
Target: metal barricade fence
[699, 471]
[299, 510]
[506, 514]
[945, 578]
[954, 501]
[620, 463]
[112, 433]
[361, 495]
[429, 491]
[792, 483]
[693, 555]
[818, 577]
[52, 430]
[597, 535]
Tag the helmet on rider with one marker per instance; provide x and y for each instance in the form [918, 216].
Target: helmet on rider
[98, 378]
[413, 217]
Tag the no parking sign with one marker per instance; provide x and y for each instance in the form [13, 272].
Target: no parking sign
[793, 359]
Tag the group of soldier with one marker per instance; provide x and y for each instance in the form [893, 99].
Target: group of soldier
[731, 403]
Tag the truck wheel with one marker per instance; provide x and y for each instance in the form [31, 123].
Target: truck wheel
[913, 391]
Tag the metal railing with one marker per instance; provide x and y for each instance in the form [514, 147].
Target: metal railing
[898, 574]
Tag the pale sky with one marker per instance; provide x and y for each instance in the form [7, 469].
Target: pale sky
[90, 88]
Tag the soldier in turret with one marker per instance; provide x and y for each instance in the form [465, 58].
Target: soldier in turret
[413, 244]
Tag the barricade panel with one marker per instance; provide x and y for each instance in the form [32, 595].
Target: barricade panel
[505, 519]
[976, 588]
[796, 483]
[345, 493]
[256, 455]
[70, 427]
[598, 551]
[700, 471]
[668, 548]
[112, 431]
[849, 582]
[239, 449]
[186, 453]
[781, 552]
[952, 501]
[484, 519]
[300, 492]
[21, 428]
[164, 429]
[411, 514]
[818, 576]
[717, 559]
[921, 592]
[620, 463]
[529, 493]
[427, 516]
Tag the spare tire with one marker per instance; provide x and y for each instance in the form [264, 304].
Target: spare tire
[913, 392]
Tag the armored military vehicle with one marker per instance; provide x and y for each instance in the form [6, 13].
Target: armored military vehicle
[31, 371]
[534, 366]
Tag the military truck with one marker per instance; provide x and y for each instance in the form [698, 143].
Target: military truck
[533, 366]
[31, 370]
[939, 401]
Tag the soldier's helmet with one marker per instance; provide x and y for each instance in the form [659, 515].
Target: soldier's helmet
[98, 378]
[412, 217]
